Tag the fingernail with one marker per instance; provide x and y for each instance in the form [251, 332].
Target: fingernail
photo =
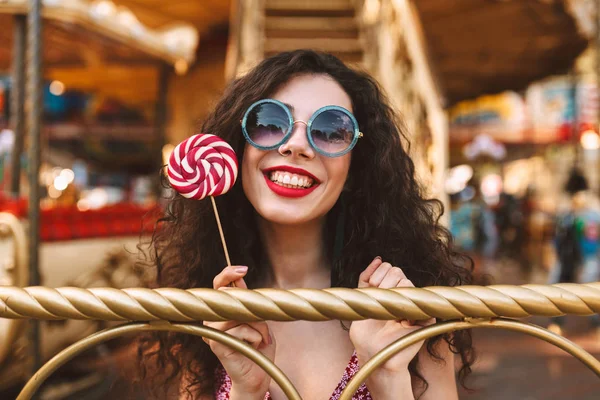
[270, 339]
[241, 270]
[378, 258]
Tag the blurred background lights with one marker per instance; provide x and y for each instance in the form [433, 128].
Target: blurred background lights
[57, 88]
[56, 172]
[93, 199]
[83, 205]
[103, 9]
[457, 178]
[590, 140]
[60, 183]
[491, 185]
[181, 67]
[68, 175]
[53, 192]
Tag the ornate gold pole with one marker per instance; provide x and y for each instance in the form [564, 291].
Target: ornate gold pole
[451, 326]
[64, 356]
[169, 304]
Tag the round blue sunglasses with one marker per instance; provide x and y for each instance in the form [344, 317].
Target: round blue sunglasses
[332, 130]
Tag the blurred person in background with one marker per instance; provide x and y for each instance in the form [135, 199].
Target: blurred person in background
[473, 227]
[577, 241]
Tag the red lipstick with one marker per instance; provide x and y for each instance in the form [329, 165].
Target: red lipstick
[290, 192]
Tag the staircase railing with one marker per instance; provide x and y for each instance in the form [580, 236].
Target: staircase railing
[245, 47]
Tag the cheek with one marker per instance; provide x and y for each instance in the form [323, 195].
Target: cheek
[337, 170]
[249, 165]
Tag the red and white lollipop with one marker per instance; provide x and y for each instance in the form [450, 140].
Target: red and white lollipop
[204, 165]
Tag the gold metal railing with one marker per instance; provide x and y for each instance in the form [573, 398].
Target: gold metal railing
[169, 309]
[177, 305]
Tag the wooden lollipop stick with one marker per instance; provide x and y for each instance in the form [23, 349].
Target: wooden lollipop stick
[220, 230]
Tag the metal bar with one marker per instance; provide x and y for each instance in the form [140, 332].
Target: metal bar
[244, 305]
[203, 331]
[161, 119]
[452, 326]
[34, 115]
[17, 114]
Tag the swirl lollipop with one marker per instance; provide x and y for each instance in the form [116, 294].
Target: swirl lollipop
[204, 165]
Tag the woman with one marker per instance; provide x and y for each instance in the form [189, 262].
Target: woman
[318, 204]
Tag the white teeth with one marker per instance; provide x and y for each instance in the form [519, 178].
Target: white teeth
[288, 180]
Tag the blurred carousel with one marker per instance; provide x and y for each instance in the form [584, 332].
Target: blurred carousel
[100, 48]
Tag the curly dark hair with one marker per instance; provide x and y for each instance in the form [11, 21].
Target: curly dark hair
[390, 218]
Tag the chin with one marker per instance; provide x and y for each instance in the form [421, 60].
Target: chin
[285, 215]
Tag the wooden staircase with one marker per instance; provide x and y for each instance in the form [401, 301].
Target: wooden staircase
[261, 28]
[327, 25]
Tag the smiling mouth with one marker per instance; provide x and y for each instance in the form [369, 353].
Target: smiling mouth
[289, 180]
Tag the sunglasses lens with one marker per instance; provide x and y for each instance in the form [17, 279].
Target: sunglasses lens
[332, 131]
[267, 124]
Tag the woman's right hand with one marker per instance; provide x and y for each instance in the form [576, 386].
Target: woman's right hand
[248, 380]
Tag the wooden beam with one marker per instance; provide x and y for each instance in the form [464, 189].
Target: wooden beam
[136, 85]
[311, 23]
[326, 5]
[323, 44]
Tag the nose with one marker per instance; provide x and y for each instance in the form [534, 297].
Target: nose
[298, 145]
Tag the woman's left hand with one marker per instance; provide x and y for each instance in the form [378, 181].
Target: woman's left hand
[370, 336]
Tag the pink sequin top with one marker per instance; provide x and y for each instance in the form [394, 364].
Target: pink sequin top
[223, 384]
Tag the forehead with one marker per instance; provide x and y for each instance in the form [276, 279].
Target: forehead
[308, 93]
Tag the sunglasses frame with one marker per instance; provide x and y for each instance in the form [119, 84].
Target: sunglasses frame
[291, 122]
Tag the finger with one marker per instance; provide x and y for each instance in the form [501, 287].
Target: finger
[405, 282]
[239, 284]
[406, 323]
[392, 278]
[230, 274]
[378, 275]
[220, 326]
[263, 329]
[424, 322]
[247, 334]
[363, 279]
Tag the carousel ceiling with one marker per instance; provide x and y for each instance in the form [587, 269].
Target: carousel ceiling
[488, 46]
[204, 15]
[79, 33]
[475, 46]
